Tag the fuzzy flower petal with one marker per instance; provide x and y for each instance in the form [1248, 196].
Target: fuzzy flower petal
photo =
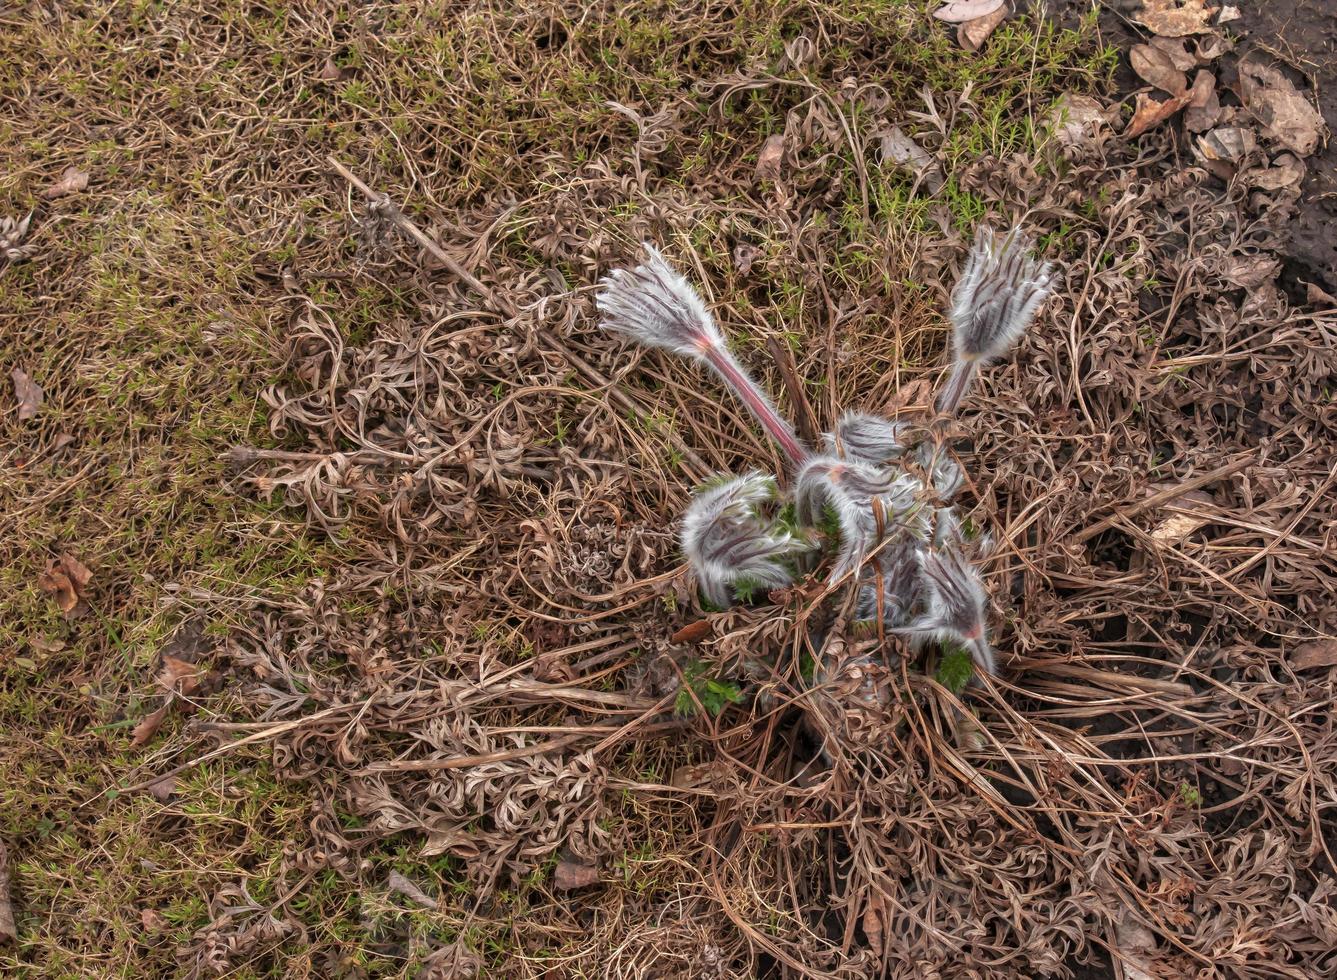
[728, 542]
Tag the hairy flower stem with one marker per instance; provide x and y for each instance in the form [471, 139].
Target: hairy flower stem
[963, 372]
[736, 378]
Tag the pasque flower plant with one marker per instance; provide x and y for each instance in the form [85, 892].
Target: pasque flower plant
[877, 494]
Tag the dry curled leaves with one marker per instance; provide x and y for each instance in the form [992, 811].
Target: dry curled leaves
[1175, 18]
[66, 580]
[960, 11]
[902, 151]
[72, 181]
[1284, 113]
[27, 392]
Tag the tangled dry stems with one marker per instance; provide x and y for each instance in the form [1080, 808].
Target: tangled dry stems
[490, 672]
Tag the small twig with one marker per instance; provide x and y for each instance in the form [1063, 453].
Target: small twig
[246, 455]
[260, 736]
[806, 418]
[501, 305]
[1156, 499]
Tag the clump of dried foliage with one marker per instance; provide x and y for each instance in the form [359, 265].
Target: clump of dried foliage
[490, 674]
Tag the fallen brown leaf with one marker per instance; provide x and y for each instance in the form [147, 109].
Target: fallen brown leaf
[396, 882]
[972, 34]
[1208, 49]
[1249, 271]
[152, 920]
[179, 676]
[770, 158]
[743, 257]
[1316, 295]
[1285, 114]
[693, 632]
[66, 579]
[1175, 18]
[72, 181]
[8, 930]
[1075, 118]
[1204, 108]
[1287, 171]
[1155, 67]
[874, 915]
[330, 72]
[1178, 526]
[571, 875]
[1228, 13]
[901, 150]
[1315, 653]
[143, 733]
[1174, 49]
[28, 393]
[1149, 112]
[163, 789]
[1227, 143]
[959, 11]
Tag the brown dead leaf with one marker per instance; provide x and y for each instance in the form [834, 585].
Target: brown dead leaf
[571, 875]
[1155, 67]
[902, 151]
[1316, 295]
[1208, 49]
[153, 920]
[693, 632]
[1228, 13]
[743, 257]
[1188, 518]
[143, 733]
[1285, 114]
[1315, 653]
[66, 579]
[178, 676]
[960, 11]
[1204, 107]
[1149, 112]
[163, 789]
[330, 72]
[27, 392]
[771, 157]
[1175, 18]
[1287, 171]
[972, 34]
[72, 181]
[874, 917]
[1173, 48]
[8, 930]
[1227, 143]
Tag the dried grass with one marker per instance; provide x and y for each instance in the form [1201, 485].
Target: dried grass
[487, 673]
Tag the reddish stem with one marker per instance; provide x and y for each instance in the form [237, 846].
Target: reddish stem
[950, 399]
[757, 402]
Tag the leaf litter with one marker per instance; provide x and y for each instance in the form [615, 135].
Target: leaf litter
[412, 689]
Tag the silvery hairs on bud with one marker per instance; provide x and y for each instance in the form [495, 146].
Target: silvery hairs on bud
[858, 494]
[867, 438]
[955, 604]
[997, 296]
[657, 307]
[728, 541]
